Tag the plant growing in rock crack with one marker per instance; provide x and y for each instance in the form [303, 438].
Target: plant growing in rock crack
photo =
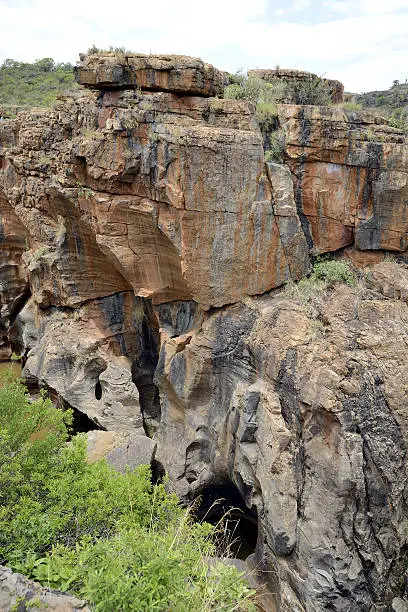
[82, 191]
[276, 147]
[93, 133]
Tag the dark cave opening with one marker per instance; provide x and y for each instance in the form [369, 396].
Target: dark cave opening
[98, 391]
[222, 505]
[81, 423]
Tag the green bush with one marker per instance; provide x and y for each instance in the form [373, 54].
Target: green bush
[114, 539]
[351, 106]
[312, 291]
[282, 90]
[310, 91]
[333, 271]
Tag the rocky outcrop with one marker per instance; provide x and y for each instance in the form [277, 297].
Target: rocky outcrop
[350, 177]
[335, 88]
[19, 593]
[152, 236]
[14, 289]
[349, 171]
[308, 419]
[174, 73]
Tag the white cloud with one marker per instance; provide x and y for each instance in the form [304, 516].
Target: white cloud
[297, 7]
[364, 43]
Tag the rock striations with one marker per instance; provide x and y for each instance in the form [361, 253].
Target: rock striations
[141, 235]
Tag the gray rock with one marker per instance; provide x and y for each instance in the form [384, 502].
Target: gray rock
[19, 593]
[122, 451]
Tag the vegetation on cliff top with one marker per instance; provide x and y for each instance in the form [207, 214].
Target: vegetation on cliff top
[116, 540]
[393, 102]
[36, 84]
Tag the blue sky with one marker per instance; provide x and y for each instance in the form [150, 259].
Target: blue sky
[363, 43]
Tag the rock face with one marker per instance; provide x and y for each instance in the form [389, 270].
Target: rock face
[308, 419]
[142, 234]
[350, 176]
[175, 73]
[14, 289]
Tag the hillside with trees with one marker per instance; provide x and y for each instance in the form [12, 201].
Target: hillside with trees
[35, 84]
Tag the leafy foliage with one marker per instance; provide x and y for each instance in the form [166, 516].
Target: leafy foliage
[276, 147]
[282, 90]
[333, 271]
[115, 539]
[36, 84]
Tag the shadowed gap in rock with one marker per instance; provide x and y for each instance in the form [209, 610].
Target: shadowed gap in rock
[222, 505]
[143, 369]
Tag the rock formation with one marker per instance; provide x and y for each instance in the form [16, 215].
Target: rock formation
[336, 89]
[144, 239]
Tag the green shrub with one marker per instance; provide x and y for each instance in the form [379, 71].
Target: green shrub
[267, 113]
[115, 539]
[333, 271]
[351, 106]
[276, 147]
[312, 291]
[310, 91]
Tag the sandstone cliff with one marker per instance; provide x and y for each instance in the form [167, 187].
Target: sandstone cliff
[143, 241]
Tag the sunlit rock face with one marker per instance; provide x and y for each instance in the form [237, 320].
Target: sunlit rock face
[143, 241]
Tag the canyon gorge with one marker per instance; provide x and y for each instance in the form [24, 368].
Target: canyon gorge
[146, 243]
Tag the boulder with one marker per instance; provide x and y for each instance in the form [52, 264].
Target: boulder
[122, 451]
[19, 593]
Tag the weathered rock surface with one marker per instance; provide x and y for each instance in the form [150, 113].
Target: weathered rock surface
[19, 593]
[141, 217]
[100, 359]
[350, 176]
[168, 194]
[309, 420]
[14, 289]
[175, 73]
[122, 451]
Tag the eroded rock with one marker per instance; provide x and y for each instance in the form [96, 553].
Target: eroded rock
[309, 422]
[121, 451]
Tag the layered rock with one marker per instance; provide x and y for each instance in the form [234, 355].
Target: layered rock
[175, 73]
[350, 172]
[144, 217]
[167, 193]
